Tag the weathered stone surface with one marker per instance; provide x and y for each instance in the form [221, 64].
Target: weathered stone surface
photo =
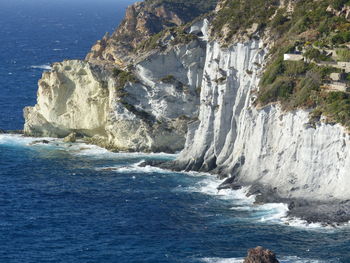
[145, 114]
[71, 138]
[141, 21]
[260, 255]
[265, 145]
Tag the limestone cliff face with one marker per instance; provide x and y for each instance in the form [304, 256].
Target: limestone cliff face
[149, 111]
[122, 101]
[148, 106]
[276, 149]
[74, 95]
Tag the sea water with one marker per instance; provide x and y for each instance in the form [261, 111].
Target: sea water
[79, 203]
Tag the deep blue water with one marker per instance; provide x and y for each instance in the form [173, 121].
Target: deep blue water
[58, 203]
[34, 33]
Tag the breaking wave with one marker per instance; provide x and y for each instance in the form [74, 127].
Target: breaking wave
[44, 67]
[290, 259]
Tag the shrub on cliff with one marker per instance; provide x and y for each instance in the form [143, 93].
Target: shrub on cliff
[239, 15]
[343, 54]
[168, 79]
[297, 84]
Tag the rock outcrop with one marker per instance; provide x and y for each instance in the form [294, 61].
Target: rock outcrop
[143, 20]
[71, 138]
[267, 146]
[147, 102]
[143, 108]
[260, 255]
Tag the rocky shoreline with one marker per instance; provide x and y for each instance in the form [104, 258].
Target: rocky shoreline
[187, 87]
[333, 213]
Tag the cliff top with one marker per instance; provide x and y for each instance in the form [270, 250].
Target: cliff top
[143, 20]
[316, 27]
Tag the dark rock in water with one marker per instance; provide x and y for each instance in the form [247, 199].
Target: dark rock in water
[260, 255]
[332, 213]
[71, 138]
[2, 131]
[14, 131]
[151, 163]
[109, 169]
[229, 183]
[40, 141]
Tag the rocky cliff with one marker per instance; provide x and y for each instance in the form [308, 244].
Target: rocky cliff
[143, 20]
[145, 109]
[266, 147]
[140, 93]
[136, 90]
[282, 154]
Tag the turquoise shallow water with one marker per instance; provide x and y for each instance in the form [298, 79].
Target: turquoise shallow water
[80, 203]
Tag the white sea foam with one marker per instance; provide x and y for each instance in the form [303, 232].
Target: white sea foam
[275, 213]
[134, 168]
[20, 140]
[303, 224]
[44, 66]
[222, 260]
[270, 213]
[288, 259]
[98, 152]
[294, 259]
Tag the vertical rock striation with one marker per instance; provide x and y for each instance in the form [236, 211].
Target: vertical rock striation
[266, 147]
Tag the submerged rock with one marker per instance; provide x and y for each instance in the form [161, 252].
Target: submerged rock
[13, 131]
[39, 141]
[70, 138]
[260, 255]
[156, 163]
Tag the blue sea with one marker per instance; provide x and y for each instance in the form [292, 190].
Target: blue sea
[80, 203]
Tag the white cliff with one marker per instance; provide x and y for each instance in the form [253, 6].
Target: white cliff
[267, 146]
[74, 95]
[149, 113]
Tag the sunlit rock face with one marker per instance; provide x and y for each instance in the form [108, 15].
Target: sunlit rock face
[149, 114]
[267, 146]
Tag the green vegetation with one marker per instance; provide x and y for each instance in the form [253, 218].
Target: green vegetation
[185, 9]
[298, 84]
[168, 79]
[315, 55]
[343, 54]
[156, 41]
[183, 38]
[151, 43]
[123, 77]
[239, 15]
[147, 117]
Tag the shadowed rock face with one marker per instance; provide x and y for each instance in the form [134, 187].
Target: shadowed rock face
[260, 255]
